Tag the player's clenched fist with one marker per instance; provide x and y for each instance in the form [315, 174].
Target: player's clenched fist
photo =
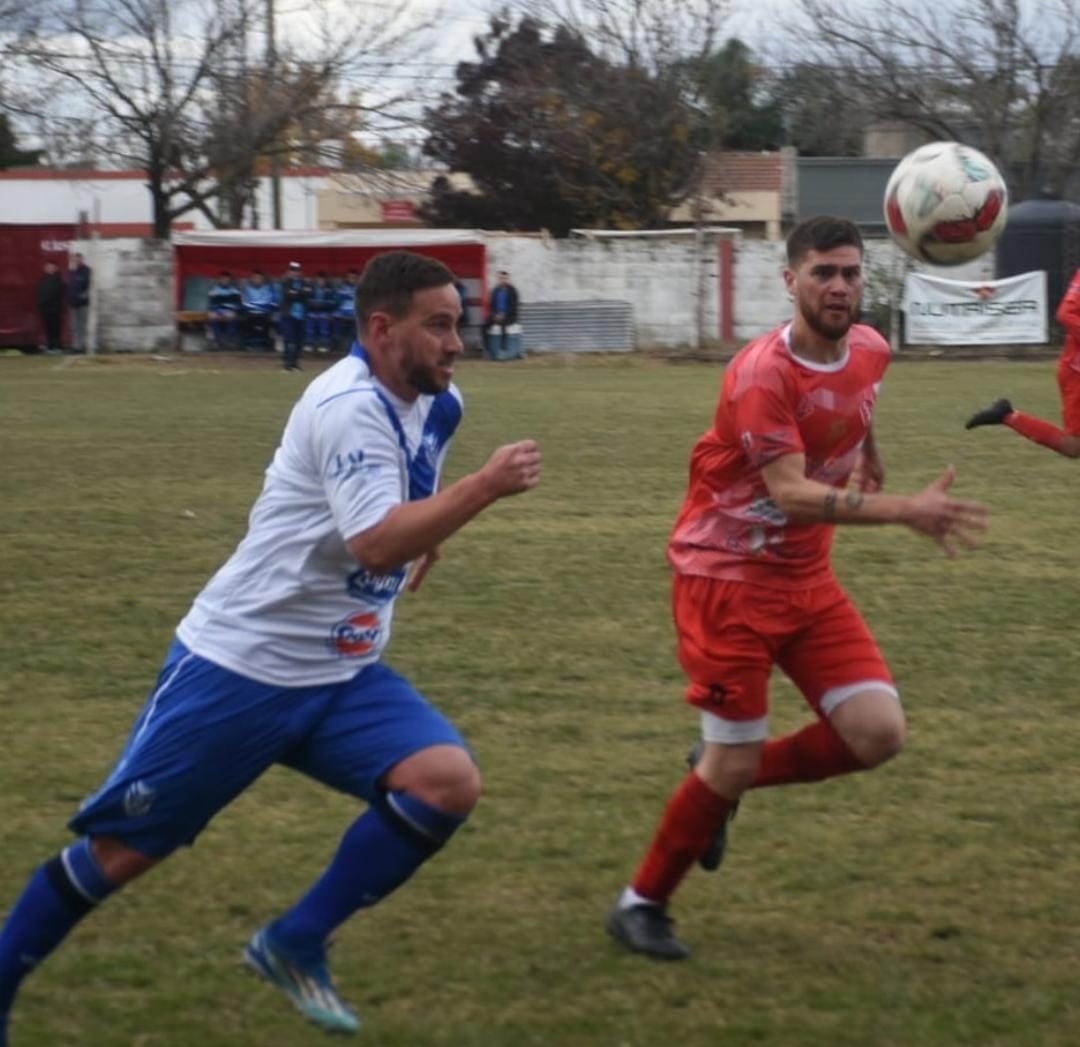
[513, 468]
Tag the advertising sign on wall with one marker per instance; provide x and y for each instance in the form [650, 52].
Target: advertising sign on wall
[961, 312]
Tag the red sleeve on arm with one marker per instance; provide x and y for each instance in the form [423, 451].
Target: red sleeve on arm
[764, 422]
[1068, 314]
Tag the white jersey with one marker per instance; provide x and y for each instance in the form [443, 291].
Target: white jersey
[291, 606]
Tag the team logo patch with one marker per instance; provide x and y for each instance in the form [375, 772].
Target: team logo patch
[138, 799]
[357, 635]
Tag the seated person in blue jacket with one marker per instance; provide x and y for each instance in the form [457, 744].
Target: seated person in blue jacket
[223, 305]
[320, 312]
[260, 303]
[345, 312]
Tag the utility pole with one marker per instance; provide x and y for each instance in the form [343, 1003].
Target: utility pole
[275, 156]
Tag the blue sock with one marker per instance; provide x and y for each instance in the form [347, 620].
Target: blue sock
[60, 893]
[377, 854]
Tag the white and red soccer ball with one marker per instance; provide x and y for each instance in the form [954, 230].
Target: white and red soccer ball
[945, 203]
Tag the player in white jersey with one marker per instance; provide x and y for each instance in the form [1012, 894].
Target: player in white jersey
[278, 659]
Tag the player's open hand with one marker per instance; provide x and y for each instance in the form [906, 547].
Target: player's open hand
[513, 468]
[951, 522]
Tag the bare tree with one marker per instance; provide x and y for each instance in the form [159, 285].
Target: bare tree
[1002, 75]
[660, 36]
[183, 90]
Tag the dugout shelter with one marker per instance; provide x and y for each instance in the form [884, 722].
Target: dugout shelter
[200, 256]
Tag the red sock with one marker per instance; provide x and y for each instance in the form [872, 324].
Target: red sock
[692, 815]
[1027, 425]
[809, 755]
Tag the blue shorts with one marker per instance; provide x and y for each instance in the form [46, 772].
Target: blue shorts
[206, 733]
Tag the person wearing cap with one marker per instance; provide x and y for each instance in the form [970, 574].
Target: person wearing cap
[295, 292]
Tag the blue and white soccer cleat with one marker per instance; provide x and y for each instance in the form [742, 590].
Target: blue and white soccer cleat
[306, 982]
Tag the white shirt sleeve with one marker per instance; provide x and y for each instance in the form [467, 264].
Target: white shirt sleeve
[360, 461]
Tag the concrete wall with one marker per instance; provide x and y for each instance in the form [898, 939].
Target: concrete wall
[131, 306]
[659, 276]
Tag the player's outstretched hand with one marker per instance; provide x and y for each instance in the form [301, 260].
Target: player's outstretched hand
[513, 468]
[951, 522]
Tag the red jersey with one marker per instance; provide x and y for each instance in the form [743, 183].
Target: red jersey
[774, 403]
[1068, 315]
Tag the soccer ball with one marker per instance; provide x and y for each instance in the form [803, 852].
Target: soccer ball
[945, 203]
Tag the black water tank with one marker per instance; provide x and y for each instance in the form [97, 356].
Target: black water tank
[1042, 234]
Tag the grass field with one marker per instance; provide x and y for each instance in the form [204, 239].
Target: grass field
[931, 902]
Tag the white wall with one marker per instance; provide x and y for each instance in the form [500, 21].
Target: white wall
[131, 300]
[127, 200]
[658, 276]
[31, 200]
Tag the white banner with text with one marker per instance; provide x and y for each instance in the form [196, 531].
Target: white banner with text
[962, 312]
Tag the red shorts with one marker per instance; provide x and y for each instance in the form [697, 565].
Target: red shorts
[1069, 384]
[730, 634]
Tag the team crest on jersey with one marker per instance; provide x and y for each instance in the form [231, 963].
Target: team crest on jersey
[363, 584]
[356, 635]
[138, 799]
[429, 446]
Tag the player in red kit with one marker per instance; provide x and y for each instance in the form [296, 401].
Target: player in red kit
[1065, 441]
[753, 586]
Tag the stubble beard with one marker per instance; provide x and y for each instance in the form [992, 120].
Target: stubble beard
[424, 379]
[833, 332]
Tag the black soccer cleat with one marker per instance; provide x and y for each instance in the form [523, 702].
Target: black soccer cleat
[646, 929]
[995, 414]
[714, 853]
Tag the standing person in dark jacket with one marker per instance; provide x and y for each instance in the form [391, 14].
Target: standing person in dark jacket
[502, 314]
[295, 292]
[79, 298]
[50, 303]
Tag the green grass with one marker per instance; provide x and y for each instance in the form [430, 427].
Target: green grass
[930, 902]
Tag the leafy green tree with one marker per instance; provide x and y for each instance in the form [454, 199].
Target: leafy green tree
[733, 88]
[555, 136]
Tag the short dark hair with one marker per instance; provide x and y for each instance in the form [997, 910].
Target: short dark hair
[390, 279]
[224, 272]
[821, 233]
